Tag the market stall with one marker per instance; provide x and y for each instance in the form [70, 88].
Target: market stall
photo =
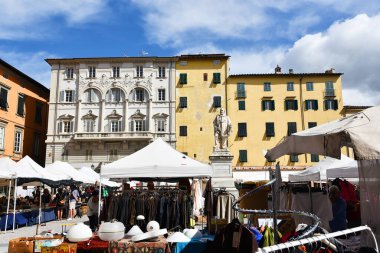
[95, 176]
[359, 131]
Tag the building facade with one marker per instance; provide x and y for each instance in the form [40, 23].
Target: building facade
[102, 109]
[23, 115]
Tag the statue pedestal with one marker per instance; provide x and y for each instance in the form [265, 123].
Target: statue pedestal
[221, 162]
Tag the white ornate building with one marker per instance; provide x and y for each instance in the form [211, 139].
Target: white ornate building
[102, 109]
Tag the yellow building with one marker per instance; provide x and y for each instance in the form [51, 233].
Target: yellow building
[200, 91]
[23, 115]
[263, 108]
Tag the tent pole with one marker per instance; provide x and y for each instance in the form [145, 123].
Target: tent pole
[9, 199]
[274, 197]
[14, 204]
[100, 199]
[39, 210]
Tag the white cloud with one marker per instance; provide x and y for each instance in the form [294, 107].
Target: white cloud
[31, 64]
[32, 19]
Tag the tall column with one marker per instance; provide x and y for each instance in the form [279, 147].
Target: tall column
[102, 115]
[78, 117]
[126, 127]
[149, 117]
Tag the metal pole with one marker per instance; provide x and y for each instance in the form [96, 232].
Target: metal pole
[9, 199]
[14, 205]
[100, 199]
[39, 210]
[273, 176]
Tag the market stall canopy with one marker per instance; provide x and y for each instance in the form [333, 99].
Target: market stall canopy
[6, 165]
[91, 173]
[27, 170]
[347, 167]
[359, 131]
[157, 160]
[70, 172]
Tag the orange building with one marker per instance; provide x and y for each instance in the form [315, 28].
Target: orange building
[23, 115]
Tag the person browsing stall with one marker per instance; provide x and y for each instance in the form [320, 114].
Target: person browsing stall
[339, 210]
[74, 198]
[93, 210]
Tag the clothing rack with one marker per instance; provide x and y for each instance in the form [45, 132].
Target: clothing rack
[316, 239]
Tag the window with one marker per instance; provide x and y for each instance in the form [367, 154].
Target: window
[309, 86]
[267, 105]
[314, 158]
[240, 90]
[183, 102]
[161, 94]
[113, 155]
[3, 98]
[312, 124]
[65, 155]
[115, 71]
[38, 114]
[183, 131]
[243, 156]
[114, 95]
[89, 125]
[267, 86]
[183, 78]
[294, 158]
[217, 102]
[2, 137]
[91, 96]
[241, 105]
[331, 104]
[205, 77]
[329, 85]
[216, 78]
[20, 105]
[91, 72]
[242, 129]
[139, 95]
[269, 129]
[18, 138]
[161, 125]
[65, 126]
[36, 145]
[69, 73]
[161, 72]
[311, 104]
[116, 126]
[139, 71]
[88, 154]
[292, 128]
[67, 96]
[290, 86]
[291, 104]
[139, 125]
[5, 75]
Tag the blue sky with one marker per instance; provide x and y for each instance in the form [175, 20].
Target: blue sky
[308, 36]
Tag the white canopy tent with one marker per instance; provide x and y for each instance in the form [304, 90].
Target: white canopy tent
[91, 173]
[361, 132]
[348, 168]
[29, 170]
[63, 168]
[157, 160]
[6, 172]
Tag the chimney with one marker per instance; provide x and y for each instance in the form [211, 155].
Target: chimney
[291, 71]
[277, 70]
[329, 71]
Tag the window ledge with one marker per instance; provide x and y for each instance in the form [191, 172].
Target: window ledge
[20, 115]
[68, 79]
[138, 77]
[161, 77]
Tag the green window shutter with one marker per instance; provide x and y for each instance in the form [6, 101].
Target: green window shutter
[183, 131]
[183, 102]
[315, 104]
[263, 105]
[314, 158]
[20, 105]
[272, 105]
[287, 105]
[243, 156]
[241, 105]
[240, 90]
[183, 78]
[335, 104]
[216, 78]
[217, 103]
[292, 128]
[294, 158]
[269, 132]
[312, 124]
[242, 129]
[307, 106]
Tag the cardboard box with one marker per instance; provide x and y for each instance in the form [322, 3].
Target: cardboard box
[63, 248]
[21, 245]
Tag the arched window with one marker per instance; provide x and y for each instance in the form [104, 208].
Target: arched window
[91, 96]
[139, 95]
[115, 95]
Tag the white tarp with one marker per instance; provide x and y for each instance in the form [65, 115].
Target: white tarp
[68, 170]
[157, 160]
[91, 173]
[26, 168]
[6, 165]
[319, 172]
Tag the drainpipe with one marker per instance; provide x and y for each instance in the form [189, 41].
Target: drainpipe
[170, 103]
[55, 113]
[302, 110]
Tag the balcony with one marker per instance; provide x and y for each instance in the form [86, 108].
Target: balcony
[241, 94]
[329, 93]
[143, 135]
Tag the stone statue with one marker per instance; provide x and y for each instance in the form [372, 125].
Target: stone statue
[222, 129]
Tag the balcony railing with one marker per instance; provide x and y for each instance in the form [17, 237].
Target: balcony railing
[329, 93]
[114, 135]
